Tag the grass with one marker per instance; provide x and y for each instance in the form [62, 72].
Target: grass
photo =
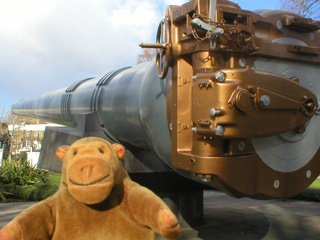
[315, 184]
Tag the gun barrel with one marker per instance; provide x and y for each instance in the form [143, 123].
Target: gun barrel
[122, 99]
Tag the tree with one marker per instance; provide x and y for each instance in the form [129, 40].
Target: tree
[306, 8]
[16, 124]
[4, 134]
[146, 55]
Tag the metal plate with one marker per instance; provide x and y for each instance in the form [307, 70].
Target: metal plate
[291, 151]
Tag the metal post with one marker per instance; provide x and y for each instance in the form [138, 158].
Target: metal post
[212, 9]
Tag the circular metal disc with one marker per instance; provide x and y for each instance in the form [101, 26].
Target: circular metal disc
[290, 151]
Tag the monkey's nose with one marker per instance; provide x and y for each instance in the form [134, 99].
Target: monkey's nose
[86, 171]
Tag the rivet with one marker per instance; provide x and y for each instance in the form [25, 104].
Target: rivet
[276, 184]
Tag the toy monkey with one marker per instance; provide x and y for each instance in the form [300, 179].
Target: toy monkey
[96, 200]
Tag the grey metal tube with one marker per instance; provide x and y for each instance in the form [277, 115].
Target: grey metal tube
[130, 102]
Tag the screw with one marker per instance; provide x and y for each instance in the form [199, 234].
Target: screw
[219, 130]
[170, 126]
[194, 129]
[220, 76]
[264, 101]
[242, 62]
[195, 78]
[276, 184]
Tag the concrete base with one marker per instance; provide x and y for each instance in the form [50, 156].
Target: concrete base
[135, 160]
[183, 196]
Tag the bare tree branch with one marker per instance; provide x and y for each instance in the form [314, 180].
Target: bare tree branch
[306, 8]
[146, 55]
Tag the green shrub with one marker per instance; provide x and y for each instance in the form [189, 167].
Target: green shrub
[24, 156]
[22, 181]
[4, 194]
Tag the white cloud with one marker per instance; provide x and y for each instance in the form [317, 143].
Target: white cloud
[176, 2]
[45, 45]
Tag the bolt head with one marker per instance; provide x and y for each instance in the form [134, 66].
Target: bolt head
[264, 101]
[219, 131]
[220, 31]
[312, 36]
[241, 146]
[279, 25]
[242, 62]
[220, 76]
[205, 179]
[213, 112]
[308, 174]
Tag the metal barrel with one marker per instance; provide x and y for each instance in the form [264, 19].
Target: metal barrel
[130, 103]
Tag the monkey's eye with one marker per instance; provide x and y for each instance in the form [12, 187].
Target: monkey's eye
[100, 150]
[75, 153]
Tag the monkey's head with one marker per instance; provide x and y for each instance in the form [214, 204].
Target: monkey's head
[91, 167]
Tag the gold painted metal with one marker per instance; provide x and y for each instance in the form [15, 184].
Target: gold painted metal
[217, 103]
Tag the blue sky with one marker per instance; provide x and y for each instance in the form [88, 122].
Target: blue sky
[46, 45]
[258, 4]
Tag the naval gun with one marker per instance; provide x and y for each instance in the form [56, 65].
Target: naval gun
[231, 99]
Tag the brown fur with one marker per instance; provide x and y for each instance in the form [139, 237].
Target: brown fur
[96, 200]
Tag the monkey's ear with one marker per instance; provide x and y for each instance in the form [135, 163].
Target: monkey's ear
[119, 150]
[61, 151]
